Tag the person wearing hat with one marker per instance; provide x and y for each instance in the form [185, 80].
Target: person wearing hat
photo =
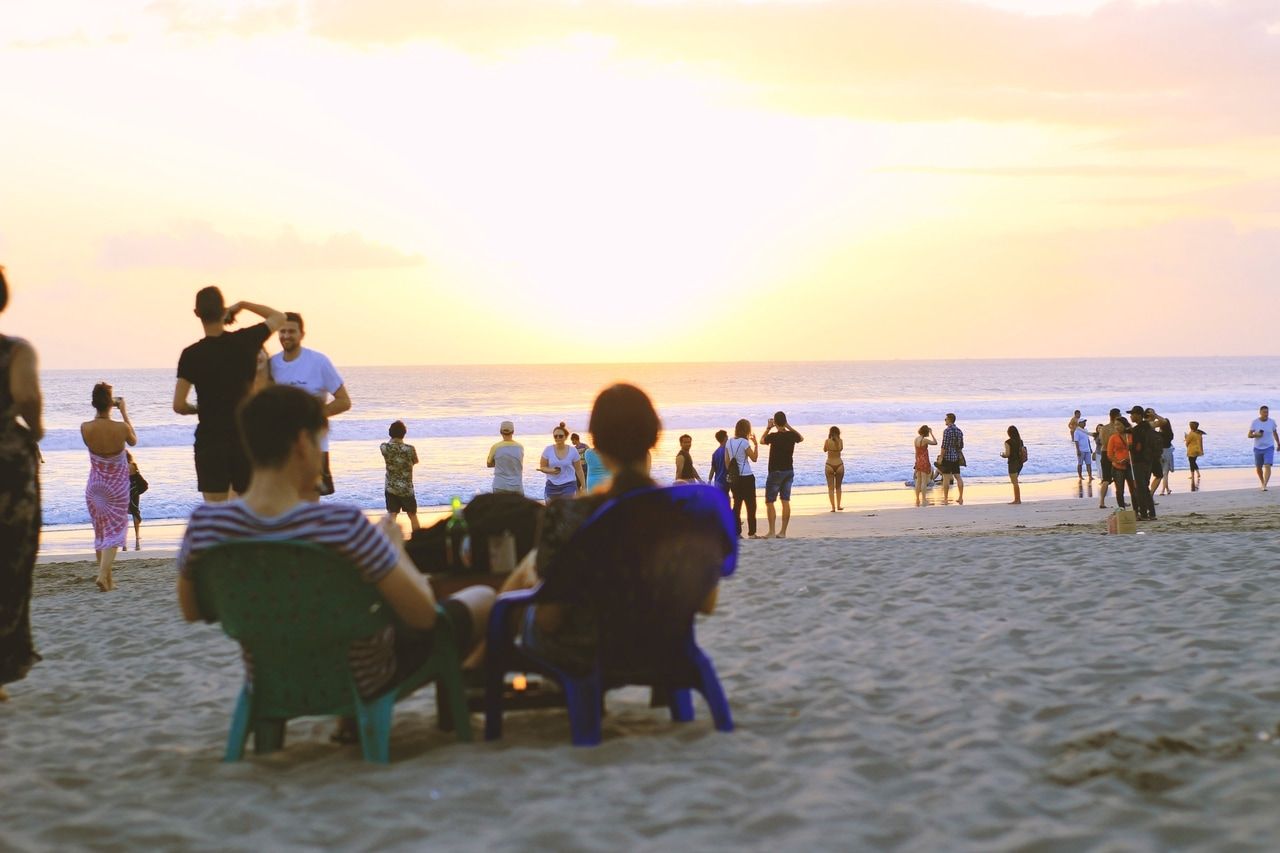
[1194, 439]
[1084, 449]
[1145, 449]
[506, 458]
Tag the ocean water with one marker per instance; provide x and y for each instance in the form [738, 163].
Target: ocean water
[452, 414]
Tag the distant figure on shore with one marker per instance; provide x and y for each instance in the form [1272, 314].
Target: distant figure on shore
[923, 467]
[1144, 456]
[506, 458]
[1102, 441]
[742, 450]
[562, 464]
[952, 459]
[1265, 441]
[221, 367]
[782, 440]
[314, 373]
[1165, 430]
[21, 426]
[107, 492]
[834, 468]
[718, 476]
[686, 472]
[1155, 458]
[595, 471]
[282, 428]
[1084, 450]
[262, 378]
[1194, 440]
[1016, 452]
[1072, 424]
[400, 459]
[137, 485]
[578, 444]
[1118, 453]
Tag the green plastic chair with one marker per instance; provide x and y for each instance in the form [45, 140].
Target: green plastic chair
[297, 607]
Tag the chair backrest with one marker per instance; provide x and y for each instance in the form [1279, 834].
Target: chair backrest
[296, 608]
[644, 563]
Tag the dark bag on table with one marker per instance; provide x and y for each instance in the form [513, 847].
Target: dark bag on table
[487, 515]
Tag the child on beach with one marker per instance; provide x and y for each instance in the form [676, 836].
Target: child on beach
[137, 485]
[1194, 439]
[400, 459]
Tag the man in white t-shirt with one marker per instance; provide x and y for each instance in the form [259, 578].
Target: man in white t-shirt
[1084, 449]
[1266, 439]
[314, 373]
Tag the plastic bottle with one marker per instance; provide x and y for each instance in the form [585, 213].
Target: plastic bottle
[457, 539]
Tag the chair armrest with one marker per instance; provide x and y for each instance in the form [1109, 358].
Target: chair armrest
[496, 632]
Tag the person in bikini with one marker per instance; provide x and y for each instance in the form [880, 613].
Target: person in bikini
[834, 468]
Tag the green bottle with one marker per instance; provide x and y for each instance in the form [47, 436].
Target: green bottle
[457, 539]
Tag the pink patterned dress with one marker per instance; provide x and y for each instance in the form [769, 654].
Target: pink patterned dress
[107, 496]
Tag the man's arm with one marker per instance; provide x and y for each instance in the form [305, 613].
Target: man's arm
[1275, 433]
[491, 462]
[796, 433]
[340, 403]
[180, 393]
[273, 318]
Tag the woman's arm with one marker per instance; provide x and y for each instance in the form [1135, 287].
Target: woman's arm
[24, 387]
[579, 474]
[544, 466]
[753, 452]
[130, 435]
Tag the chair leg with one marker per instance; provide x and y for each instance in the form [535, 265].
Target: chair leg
[681, 704]
[374, 721]
[238, 736]
[585, 703]
[449, 685]
[268, 736]
[444, 709]
[713, 692]
[493, 672]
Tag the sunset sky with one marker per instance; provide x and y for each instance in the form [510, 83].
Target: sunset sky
[509, 181]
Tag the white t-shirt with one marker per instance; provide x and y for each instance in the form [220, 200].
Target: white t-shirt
[311, 371]
[1267, 428]
[737, 449]
[508, 465]
[1082, 440]
[567, 474]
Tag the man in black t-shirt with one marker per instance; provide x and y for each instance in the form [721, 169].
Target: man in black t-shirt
[221, 367]
[782, 441]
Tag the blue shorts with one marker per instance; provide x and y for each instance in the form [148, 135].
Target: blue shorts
[1264, 457]
[779, 483]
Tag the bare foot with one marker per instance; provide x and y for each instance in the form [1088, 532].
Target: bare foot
[960, 502]
[782, 536]
[102, 587]
[4, 695]
[1011, 503]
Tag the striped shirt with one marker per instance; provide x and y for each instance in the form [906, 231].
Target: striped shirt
[342, 528]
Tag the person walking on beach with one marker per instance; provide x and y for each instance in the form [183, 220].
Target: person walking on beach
[1118, 453]
[399, 459]
[1144, 455]
[834, 468]
[1101, 444]
[1194, 440]
[686, 472]
[741, 451]
[562, 464]
[1084, 450]
[923, 467]
[782, 440]
[1263, 432]
[282, 428]
[1016, 452]
[21, 427]
[718, 476]
[1165, 430]
[221, 367]
[107, 492]
[137, 485]
[314, 373]
[506, 458]
[952, 459]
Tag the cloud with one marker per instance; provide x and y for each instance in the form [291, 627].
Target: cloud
[227, 18]
[198, 246]
[1065, 170]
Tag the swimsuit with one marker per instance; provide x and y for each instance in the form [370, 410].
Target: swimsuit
[923, 465]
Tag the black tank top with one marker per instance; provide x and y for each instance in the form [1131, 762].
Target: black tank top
[687, 471]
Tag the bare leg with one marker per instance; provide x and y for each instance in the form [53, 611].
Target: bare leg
[831, 488]
[414, 524]
[959, 490]
[1017, 491]
[106, 559]
[216, 497]
[920, 475]
[786, 519]
[1266, 476]
[137, 534]
[772, 512]
[1102, 501]
[946, 488]
[840, 491]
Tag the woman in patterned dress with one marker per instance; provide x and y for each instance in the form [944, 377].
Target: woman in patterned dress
[19, 500]
[107, 492]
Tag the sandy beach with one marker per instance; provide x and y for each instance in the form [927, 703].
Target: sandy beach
[1011, 682]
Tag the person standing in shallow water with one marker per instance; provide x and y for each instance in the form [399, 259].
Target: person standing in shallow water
[834, 468]
[923, 467]
[506, 458]
[743, 450]
[1263, 431]
[562, 464]
[400, 459]
[21, 426]
[137, 485]
[1016, 452]
[685, 470]
[1194, 439]
[952, 460]
[107, 492]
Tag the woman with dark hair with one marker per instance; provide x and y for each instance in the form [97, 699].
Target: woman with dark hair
[107, 492]
[21, 426]
[624, 429]
[923, 468]
[562, 463]
[834, 468]
[1016, 452]
[743, 449]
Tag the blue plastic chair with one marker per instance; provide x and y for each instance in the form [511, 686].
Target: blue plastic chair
[645, 561]
[297, 607]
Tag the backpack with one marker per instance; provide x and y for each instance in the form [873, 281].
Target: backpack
[731, 469]
[488, 514]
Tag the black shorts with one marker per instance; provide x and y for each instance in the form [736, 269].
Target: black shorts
[413, 646]
[395, 503]
[949, 467]
[1107, 473]
[221, 464]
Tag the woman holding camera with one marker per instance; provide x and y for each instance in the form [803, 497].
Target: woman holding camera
[107, 493]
